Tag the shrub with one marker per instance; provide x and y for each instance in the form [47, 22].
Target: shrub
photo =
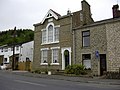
[76, 69]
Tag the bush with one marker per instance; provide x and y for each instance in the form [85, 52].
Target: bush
[76, 69]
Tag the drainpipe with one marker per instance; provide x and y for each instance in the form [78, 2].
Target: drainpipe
[73, 34]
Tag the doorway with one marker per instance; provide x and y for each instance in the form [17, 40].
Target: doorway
[103, 66]
[66, 56]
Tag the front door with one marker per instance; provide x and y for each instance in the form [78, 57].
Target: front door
[66, 55]
[102, 63]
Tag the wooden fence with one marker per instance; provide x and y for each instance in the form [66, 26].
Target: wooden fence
[25, 66]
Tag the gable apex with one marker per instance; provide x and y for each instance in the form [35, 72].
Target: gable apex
[50, 14]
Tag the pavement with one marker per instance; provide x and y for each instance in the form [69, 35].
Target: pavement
[94, 80]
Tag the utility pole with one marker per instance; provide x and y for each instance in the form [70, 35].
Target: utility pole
[13, 58]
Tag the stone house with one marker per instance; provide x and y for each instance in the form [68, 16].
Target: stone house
[54, 37]
[97, 45]
[76, 39]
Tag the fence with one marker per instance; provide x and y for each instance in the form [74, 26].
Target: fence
[25, 66]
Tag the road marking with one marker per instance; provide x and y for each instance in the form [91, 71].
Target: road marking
[20, 81]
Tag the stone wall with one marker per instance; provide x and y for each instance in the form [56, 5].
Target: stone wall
[97, 42]
[113, 45]
[65, 40]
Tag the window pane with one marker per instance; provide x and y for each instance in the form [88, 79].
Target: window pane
[44, 36]
[86, 41]
[44, 56]
[56, 34]
[86, 60]
[86, 33]
[86, 38]
[50, 33]
[55, 55]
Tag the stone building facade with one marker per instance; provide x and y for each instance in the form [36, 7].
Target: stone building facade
[53, 38]
[97, 46]
[76, 39]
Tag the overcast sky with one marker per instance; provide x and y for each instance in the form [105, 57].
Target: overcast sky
[24, 13]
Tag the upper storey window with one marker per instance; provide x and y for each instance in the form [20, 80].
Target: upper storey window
[50, 34]
[86, 38]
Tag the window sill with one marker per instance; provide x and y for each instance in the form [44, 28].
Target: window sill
[50, 43]
[44, 64]
[54, 64]
[85, 47]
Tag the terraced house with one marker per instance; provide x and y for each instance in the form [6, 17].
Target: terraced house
[76, 39]
[54, 37]
[97, 45]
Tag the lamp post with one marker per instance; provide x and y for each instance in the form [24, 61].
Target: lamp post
[13, 58]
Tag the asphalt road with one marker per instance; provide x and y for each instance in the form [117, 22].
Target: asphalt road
[10, 81]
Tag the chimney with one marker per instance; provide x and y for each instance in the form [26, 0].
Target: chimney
[86, 11]
[116, 11]
[68, 12]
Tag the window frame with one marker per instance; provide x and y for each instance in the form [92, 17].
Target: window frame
[87, 59]
[42, 54]
[84, 36]
[54, 40]
[55, 48]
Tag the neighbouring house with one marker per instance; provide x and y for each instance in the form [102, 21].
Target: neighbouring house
[54, 38]
[97, 45]
[22, 53]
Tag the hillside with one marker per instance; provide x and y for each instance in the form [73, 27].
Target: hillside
[22, 35]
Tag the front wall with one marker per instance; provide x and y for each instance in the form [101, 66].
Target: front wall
[97, 42]
[65, 40]
[113, 45]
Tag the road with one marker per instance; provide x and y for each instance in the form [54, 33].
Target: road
[9, 81]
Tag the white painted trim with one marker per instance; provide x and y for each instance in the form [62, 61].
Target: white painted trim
[55, 48]
[57, 26]
[44, 64]
[44, 49]
[63, 58]
[50, 43]
[50, 20]
[53, 41]
[54, 64]
[51, 23]
[43, 29]
[49, 12]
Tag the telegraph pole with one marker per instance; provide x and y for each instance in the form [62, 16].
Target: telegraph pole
[13, 58]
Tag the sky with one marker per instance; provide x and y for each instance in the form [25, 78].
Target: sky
[24, 13]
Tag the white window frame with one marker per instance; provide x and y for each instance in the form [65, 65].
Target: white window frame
[87, 60]
[55, 48]
[44, 49]
[5, 49]
[44, 31]
[53, 41]
[17, 48]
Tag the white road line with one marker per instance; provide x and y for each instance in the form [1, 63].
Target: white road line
[20, 81]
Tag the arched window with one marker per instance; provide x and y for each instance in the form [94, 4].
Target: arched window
[50, 33]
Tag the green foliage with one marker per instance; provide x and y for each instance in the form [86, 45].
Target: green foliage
[21, 35]
[76, 69]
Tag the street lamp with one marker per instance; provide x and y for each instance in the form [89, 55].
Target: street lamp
[13, 58]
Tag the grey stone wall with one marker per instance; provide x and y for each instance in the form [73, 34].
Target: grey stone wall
[97, 42]
[65, 40]
[113, 45]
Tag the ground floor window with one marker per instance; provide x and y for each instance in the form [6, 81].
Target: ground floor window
[44, 56]
[55, 55]
[86, 60]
